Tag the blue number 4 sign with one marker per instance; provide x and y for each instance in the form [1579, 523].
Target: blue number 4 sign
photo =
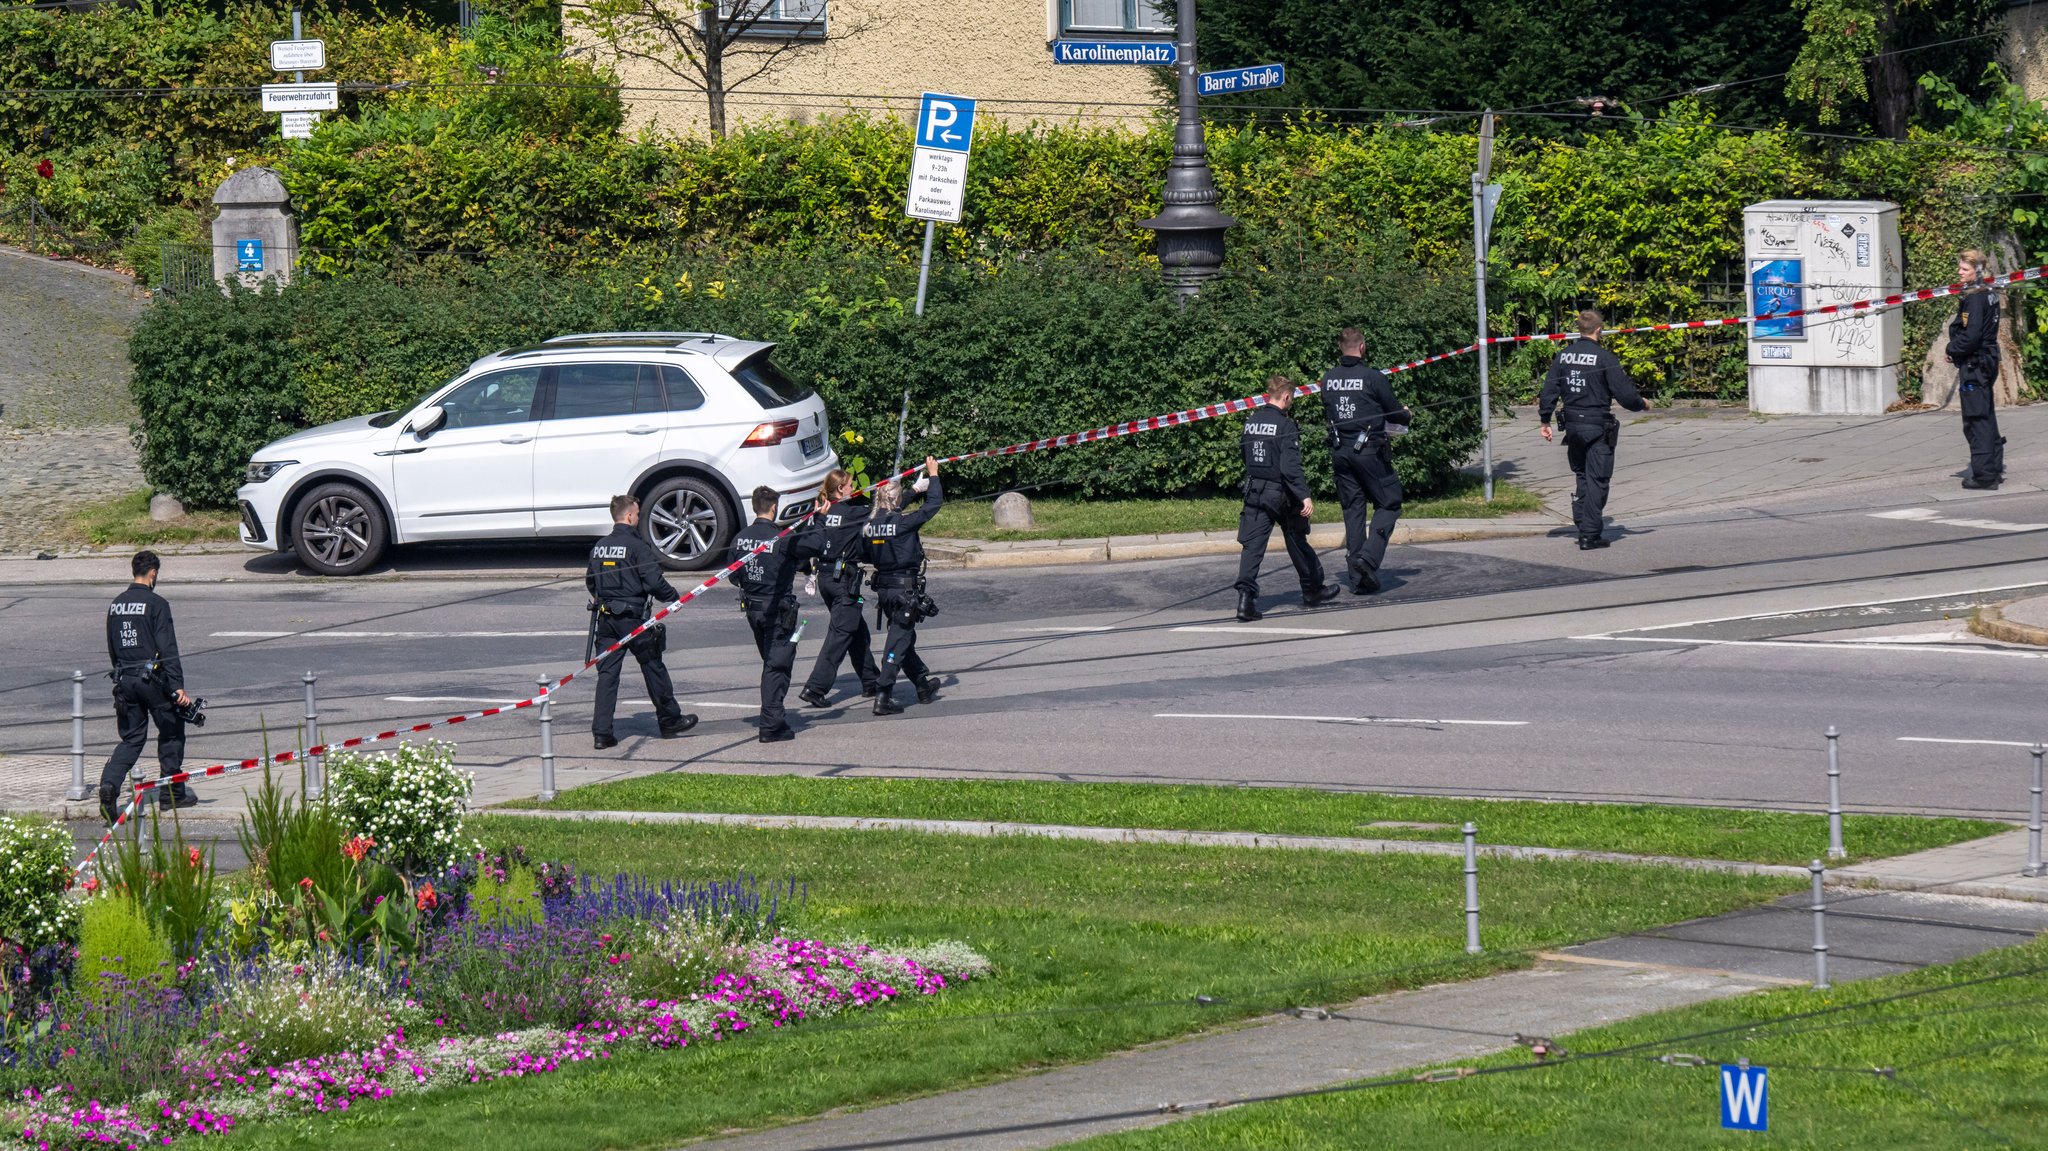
[248, 255]
[1745, 1097]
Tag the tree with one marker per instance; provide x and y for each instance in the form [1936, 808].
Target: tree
[1872, 51]
[713, 46]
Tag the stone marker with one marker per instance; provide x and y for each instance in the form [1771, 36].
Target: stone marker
[165, 507]
[255, 237]
[1013, 512]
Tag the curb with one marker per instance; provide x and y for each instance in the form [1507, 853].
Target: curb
[1243, 839]
[1126, 549]
[1990, 622]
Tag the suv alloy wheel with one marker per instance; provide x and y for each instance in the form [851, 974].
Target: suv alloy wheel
[687, 521]
[338, 530]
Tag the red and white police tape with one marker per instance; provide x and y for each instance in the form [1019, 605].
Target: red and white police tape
[1092, 435]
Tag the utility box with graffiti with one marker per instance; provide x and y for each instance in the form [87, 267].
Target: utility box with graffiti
[1805, 254]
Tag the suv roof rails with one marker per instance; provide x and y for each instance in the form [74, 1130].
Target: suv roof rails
[608, 337]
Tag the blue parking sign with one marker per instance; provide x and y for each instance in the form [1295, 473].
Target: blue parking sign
[945, 122]
[1745, 1097]
[248, 255]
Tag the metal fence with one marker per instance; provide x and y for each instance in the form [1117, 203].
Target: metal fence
[185, 268]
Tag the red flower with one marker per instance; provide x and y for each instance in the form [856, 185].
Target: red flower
[427, 899]
[357, 847]
[92, 884]
[45, 170]
[306, 884]
[192, 856]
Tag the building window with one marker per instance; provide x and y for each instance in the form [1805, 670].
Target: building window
[782, 19]
[1098, 17]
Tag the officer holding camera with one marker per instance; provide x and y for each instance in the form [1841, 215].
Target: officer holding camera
[767, 572]
[623, 572]
[149, 687]
[891, 544]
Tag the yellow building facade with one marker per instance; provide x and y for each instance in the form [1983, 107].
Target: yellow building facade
[833, 56]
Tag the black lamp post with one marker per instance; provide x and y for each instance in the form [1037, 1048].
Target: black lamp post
[1189, 227]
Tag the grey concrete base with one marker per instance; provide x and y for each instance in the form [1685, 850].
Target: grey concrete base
[1366, 1039]
[1797, 390]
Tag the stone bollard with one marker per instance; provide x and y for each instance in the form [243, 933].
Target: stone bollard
[255, 237]
[1013, 513]
[164, 507]
[1471, 832]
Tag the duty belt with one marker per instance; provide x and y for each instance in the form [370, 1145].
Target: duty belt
[896, 580]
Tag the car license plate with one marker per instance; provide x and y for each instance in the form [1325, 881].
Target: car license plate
[812, 445]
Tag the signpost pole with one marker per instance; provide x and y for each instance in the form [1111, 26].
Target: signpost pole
[1479, 237]
[298, 33]
[924, 269]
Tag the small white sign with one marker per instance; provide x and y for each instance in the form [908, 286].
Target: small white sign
[301, 97]
[938, 185]
[1775, 351]
[299, 125]
[298, 55]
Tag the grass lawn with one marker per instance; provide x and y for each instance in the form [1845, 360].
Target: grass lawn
[1098, 948]
[1968, 1062]
[1059, 518]
[1699, 832]
[124, 522]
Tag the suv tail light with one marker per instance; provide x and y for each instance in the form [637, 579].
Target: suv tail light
[768, 435]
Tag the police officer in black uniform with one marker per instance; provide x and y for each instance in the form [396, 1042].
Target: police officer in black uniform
[1973, 349]
[768, 562]
[891, 544]
[1360, 403]
[149, 686]
[836, 568]
[623, 572]
[1276, 492]
[1586, 379]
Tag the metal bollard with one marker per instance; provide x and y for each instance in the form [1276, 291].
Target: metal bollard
[1820, 928]
[1472, 889]
[77, 791]
[1835, 848]
[313, 762]
[2034, 867]
[547, 740]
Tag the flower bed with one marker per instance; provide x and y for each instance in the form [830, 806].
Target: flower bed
[340, 971]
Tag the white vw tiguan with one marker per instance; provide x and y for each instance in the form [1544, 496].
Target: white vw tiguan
[536, 441]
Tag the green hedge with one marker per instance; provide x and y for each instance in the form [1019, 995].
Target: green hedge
[1047, 348]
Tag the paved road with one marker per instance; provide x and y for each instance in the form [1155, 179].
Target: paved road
[1513, 667]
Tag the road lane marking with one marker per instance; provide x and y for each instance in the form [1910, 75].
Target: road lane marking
[1838, 644]
[1823, 610]
[1250, 630]
[449, 699]
[1353, 719]
[1978, 742]
[1105, 627]
[322, 634]
[1934, 516]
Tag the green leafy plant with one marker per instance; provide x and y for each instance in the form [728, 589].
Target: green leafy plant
[294, 1008]
[35, 872]
[172, 881]
[513, 900]
[118, 951]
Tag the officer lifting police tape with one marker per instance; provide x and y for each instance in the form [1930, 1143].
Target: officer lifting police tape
[835, 570]
[624, 571]
[149, 687]
[890, 543]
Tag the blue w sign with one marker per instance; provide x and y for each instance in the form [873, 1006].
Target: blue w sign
[1745, 1097]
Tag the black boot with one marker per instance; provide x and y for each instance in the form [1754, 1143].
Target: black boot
[110, 808]
[1318, 596]
[885, 703]
[1248, 607]
[927, 690]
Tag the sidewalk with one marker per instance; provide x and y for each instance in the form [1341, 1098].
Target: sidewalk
[1680, 459]
[2021, 621]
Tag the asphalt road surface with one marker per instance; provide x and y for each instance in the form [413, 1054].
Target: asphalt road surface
[1698, 660]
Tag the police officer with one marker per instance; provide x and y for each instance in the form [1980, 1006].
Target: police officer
[768, 563]
[1276, 491]
[891, 544]
[836, 568]
[149, 686]
[1973, 349]
[1360, 403]
[623, 572]
[1586, 380]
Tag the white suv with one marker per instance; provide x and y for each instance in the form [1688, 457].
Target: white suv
[536, 441]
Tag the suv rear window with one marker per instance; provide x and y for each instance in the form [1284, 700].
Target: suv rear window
[770, 386]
